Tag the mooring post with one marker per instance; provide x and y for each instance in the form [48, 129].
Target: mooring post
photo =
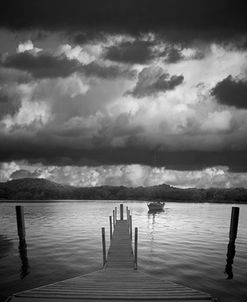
[103, 246]
[131, 227]
[113, 218]
[110, 221]
[128, 217]
[20, 221]
[121, 211]
[234, 224]
[136, 240]
[116, 213]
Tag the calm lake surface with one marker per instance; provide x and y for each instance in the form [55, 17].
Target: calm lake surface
[187, 243]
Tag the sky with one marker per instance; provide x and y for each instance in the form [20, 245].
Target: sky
[133, 93]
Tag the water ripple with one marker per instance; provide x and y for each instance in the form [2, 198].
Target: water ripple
[187, 243]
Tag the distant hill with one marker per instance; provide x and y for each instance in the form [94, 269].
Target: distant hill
[42, 189]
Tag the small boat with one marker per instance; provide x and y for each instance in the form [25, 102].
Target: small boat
[156, 206]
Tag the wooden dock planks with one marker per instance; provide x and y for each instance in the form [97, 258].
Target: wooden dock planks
[120, 254]
[117, 281]
[114, 285]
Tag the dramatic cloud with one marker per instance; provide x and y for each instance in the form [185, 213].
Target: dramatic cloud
[7, 169]
[28, 46]
[152, 80]
[125, 84]
[126, 175]
[88, 36]
[108, 72]
[137, 52]
[231, 92]
[9, 102]
[173, 55]
[186, 20]
[42, 65]
[66, 62]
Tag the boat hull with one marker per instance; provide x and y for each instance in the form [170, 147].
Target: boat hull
[156, 206]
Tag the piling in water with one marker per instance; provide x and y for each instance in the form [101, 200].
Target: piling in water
[121, 211]
[115, 214]
[231, 245]
[136, 242]
[113, 218]
[234, 224]
[110, 221]
[103, 246]
[130, 230]
[20, 221]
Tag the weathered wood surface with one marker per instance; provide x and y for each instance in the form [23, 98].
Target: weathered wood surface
[114, 284]
[117, 281]
[120, 253]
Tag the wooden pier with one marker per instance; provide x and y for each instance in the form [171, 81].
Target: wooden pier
[118, 280]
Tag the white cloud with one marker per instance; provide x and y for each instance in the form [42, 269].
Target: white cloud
[30, 111]
[72, 86]
[6, 169]
[77, 52]
[129, 175]
[217, 121]
[27, 46]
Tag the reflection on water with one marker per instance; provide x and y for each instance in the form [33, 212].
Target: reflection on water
[24, 271]
[229, 261]
[5, 246]
[155, 212]
[186, 243]
[153, 215]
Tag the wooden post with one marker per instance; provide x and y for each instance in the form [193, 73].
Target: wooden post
[234, 224]
[20, 221]
[128, 219]
[127, 215]
[110, 221]
[136, 240]
[116, 213]
[121, 211]
[131, 227]
[113, 218]
[103, 245]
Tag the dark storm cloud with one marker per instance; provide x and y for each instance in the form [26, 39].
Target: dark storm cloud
[183, 20]
[173, 55]
[137, 52]
[45, 65]
[50, 151]
[108, 72]
[11, 75]
[9, 103]
[231, 92]
[88, 36]
[154, 80]
[41, 65]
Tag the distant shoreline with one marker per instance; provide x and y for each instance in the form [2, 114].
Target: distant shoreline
[33, 190]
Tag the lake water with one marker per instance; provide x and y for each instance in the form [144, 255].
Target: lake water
[187, 244]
